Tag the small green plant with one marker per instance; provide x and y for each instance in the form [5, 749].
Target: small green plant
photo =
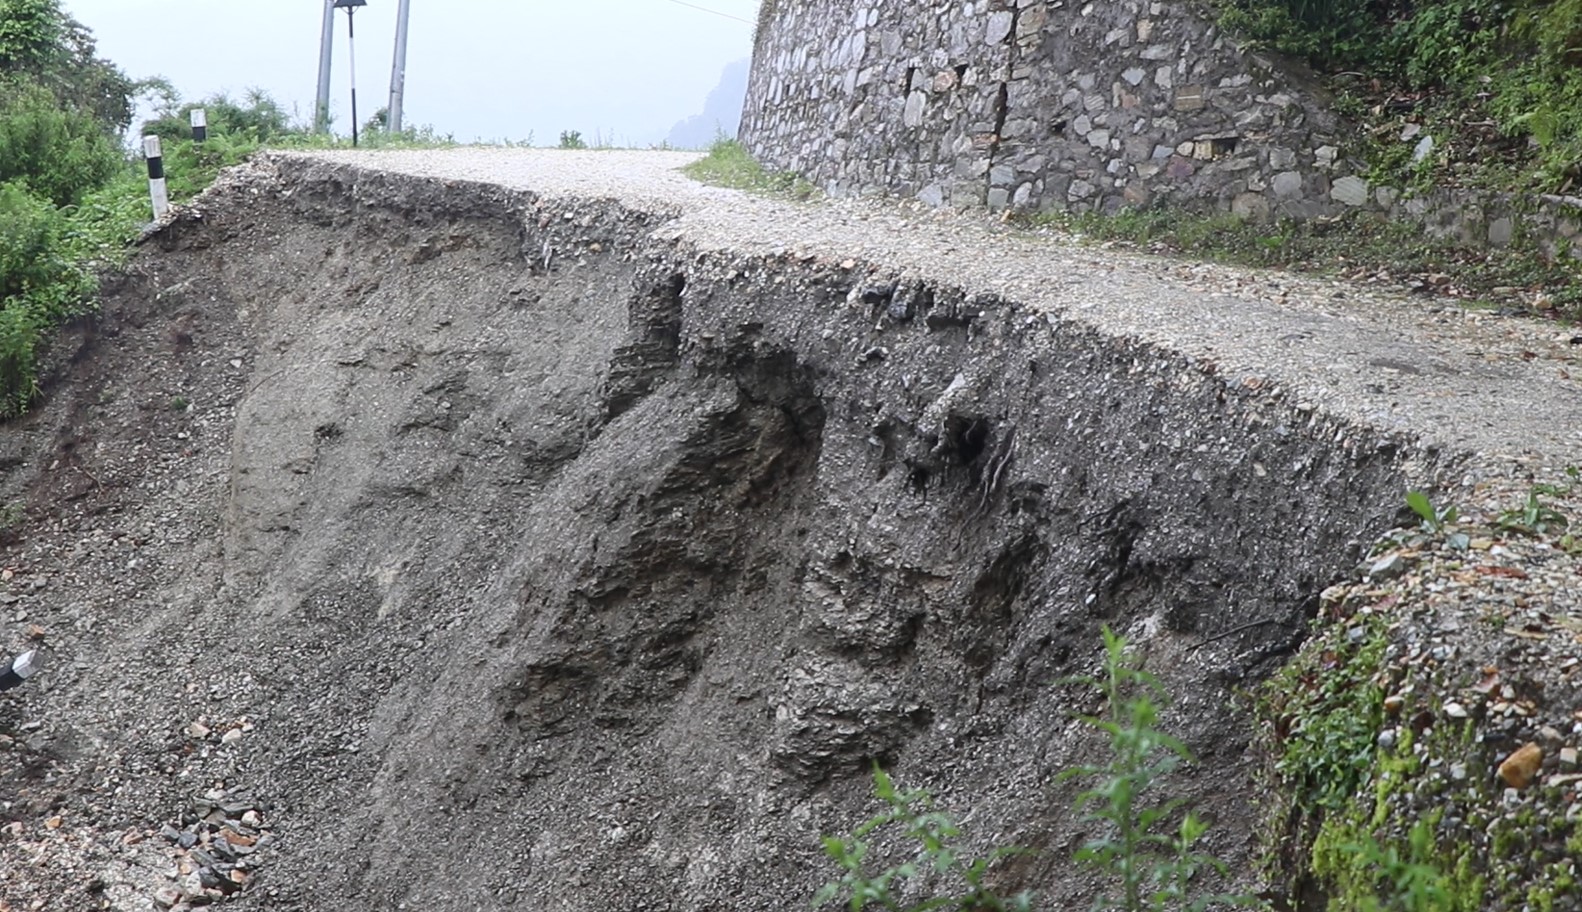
[1148, 847]
[1324, 711]
[1533, 517]
[572, 139]
[1436, 520]
[913, 814]
[1394, 876]
[1412, 882]
[180, 404]
[1433, 520]
[728, 164]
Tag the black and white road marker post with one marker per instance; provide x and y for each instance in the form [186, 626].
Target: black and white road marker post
[200, 125]
[20, 669]
[156, 176]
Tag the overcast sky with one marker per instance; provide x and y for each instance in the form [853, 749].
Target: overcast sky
[485, 69]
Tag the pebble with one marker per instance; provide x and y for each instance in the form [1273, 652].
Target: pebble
[1388, 567]
[212, 866]
[1520, 767]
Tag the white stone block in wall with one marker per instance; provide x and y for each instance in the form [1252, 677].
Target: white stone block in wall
[1287, 184]
[999, 27]
[1350, 191]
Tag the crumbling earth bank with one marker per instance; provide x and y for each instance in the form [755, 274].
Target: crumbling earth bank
[507, 554]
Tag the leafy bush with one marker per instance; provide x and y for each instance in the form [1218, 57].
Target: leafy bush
[40, 42]
[1326, 33]
[30, 35]
[914, 815]
[59, 152]
[40, 285]
[258, 118]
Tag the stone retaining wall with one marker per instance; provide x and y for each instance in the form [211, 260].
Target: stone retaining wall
[1070, 105]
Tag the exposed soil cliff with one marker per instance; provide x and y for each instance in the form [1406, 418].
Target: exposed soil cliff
[499, 551]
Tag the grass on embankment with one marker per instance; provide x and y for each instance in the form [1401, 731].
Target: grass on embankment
[1359, 247]
[727, 164]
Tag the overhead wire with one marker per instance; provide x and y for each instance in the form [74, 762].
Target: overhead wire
[714, 11]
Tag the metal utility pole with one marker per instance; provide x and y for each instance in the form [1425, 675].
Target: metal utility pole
[398, 69]
[321, 107]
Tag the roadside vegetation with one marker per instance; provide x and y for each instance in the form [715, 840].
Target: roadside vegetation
[1496, 84]
[1359, 246]
[1465, 94]
[73, 196]
[728, 164]
[1322, 714]
[1142, 847]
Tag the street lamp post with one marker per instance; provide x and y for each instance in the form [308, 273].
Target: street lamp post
[350, 6]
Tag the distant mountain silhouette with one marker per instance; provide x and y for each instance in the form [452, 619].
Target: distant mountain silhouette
[722, 112]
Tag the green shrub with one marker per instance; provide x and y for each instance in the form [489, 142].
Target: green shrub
[258, 118]
[40, 286]
[30, 35]
[101, 227]
[59, 152]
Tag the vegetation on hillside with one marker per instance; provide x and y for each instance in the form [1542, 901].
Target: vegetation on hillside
[62, 110]
[1495, 83]
[728, 164]
[71, 196]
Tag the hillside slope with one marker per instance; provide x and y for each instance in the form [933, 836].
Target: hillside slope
[578, 544]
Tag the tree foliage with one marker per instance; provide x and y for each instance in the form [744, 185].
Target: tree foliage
[62, 110]
[40, 43]
[58, 153]
[258, 117]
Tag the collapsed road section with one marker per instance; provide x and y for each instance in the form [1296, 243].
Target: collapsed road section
[530, 530]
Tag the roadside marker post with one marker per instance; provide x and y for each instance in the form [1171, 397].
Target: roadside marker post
[19, 669]
[350, 6]
[156, 176]
[200, 125]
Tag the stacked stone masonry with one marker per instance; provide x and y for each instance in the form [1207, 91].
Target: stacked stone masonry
[1092, 105]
